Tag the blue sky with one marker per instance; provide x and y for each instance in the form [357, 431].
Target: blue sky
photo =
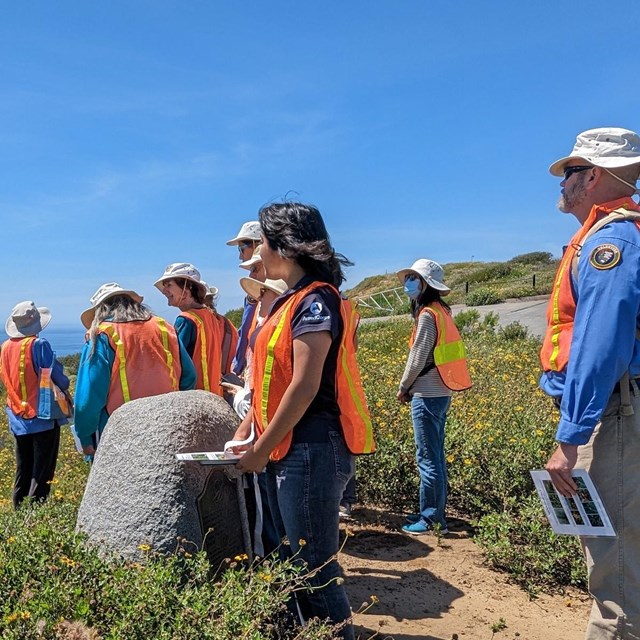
[135, 134]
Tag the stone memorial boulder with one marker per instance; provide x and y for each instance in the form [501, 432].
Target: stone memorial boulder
[138, 494]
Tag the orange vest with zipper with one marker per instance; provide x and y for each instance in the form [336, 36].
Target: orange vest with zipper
[207, 353]
[147, 360]
[561, 309]
[19, 376]
[449, 354]
[273, 372]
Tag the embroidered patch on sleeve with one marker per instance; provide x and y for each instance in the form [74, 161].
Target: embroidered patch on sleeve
[605, 256]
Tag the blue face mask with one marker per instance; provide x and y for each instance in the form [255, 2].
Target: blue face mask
[413, 288]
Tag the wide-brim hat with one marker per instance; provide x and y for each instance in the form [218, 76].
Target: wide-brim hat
[253, 260]
[249, 231]
[607, 147]
[252, 286]
[184, 270]
[104, 292]
[431, 272]
[27, 320]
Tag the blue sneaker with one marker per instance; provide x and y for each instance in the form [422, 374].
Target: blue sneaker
[421, 528]
[412, 518]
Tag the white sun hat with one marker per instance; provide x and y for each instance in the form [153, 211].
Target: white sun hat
[431, 272]
[104, 292]
[253, 260]
[27, 320]
[183, 270]
[607, 147]
[252, 286]
[249, 231]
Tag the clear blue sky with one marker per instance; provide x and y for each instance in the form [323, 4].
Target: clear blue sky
[134, 134]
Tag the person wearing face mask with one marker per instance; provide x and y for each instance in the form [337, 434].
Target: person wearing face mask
[435, 367]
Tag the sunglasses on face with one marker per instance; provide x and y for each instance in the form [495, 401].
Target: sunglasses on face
[245, 245]
[569, 171]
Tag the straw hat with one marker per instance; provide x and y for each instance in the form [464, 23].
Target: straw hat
[253, 287]
[27, 320]
[104, 292]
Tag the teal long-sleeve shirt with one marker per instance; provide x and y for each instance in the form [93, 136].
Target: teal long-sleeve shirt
[94, 381]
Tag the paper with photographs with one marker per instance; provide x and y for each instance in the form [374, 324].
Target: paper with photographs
[581, 515]
[209, 457]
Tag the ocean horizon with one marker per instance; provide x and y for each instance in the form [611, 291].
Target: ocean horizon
[63, 340]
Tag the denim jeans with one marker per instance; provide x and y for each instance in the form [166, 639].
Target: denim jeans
[304, 491]
[429, 416]
[612, 458]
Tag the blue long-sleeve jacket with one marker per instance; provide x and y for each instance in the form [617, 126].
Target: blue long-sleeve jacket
[94, 381]
[42, 355]
[240, 360]
[604, 344]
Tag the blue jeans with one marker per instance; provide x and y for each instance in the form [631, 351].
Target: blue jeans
[429, 416]
[304, 491]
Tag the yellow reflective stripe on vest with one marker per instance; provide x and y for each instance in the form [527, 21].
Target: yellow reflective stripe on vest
[268, 364]
[122, 370]
[362, 412]
[162, 325]
[444, 351]
[203, 351]
[23, 383]
[555, 318]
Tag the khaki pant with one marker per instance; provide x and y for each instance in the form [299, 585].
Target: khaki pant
[612, 457]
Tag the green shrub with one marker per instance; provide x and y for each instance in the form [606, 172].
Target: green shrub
[492, 272]
[51, 582]
[482, 296]
[235, 315]
[513, 331]
[534, 257]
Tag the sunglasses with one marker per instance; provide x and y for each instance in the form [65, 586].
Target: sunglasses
[245, 245]
[569, 171]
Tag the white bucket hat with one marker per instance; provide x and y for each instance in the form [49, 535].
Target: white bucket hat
[253, 260]
[431, 272]
[607, 147]
[104, 292]
[183, 270]
[253, 286]
[27, 320]
[248, 231]
[211, 292]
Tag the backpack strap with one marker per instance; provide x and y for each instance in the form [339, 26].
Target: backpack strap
[617, 215]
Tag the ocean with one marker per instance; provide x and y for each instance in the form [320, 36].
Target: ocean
[63, 341]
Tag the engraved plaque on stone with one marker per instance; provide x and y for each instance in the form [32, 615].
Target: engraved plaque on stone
[223, 518]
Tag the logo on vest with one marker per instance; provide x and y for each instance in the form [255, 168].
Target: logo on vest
[605, 256]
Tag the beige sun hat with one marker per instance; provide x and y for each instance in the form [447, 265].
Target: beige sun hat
[249, 231]
[183, 270]
[27, 320]
[431, 272]
[253, 260]
[104, 292]
[252, 286]
[606, 147]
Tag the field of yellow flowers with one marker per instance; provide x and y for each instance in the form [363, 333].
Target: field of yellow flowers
[496, 433]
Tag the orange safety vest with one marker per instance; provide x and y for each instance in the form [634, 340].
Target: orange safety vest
[449, 355]
[147, 360]
[207, 353]
[561, 309]
[273, 372]
[229, 343]
[19, 376]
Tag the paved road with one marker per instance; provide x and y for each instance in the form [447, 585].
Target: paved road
[531, 312]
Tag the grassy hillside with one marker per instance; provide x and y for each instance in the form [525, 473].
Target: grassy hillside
[474, 283]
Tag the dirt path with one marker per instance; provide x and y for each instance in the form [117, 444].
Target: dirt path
[443, 591]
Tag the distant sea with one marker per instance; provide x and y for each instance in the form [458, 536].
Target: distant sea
[63, 341]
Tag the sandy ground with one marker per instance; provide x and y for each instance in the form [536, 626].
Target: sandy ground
[432, 589]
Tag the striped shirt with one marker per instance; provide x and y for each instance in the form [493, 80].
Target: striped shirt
[430, 384]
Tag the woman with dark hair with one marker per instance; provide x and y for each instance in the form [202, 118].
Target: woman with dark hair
[209, 338]
[129, 354]
[436, 365]
[308, 418]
